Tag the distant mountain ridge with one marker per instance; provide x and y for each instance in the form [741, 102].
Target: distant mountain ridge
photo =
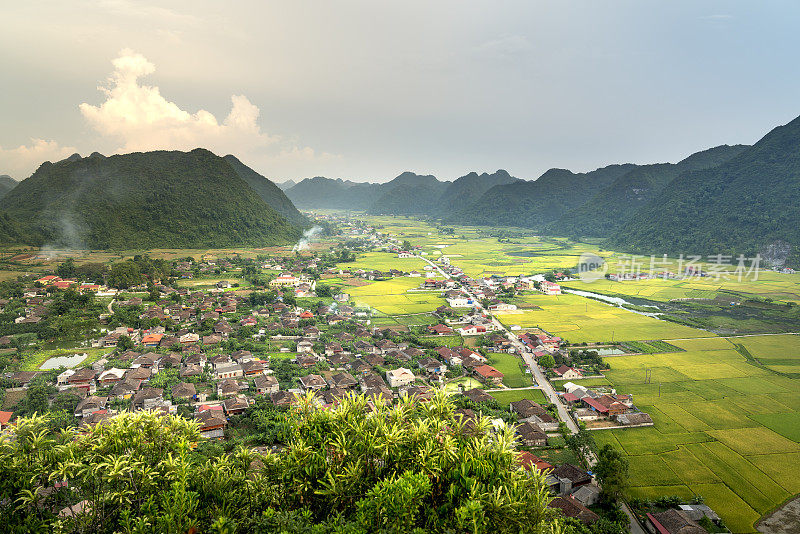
[407, 194]
[533, 204]
[7, 183]
[142, 200]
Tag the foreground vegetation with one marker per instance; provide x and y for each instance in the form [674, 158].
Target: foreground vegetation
[413, 467]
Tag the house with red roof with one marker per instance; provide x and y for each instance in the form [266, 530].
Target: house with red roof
[440, 330]
[489, 374]
[5, 417]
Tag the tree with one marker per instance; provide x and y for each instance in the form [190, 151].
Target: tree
[125, 343]
[323, 291]
[66, 269]
[124, 275]
[580, 443]
[547, 361]
[612, 474]
[406, 245]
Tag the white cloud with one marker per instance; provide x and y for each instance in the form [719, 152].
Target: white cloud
[21, 161]
[140, 118]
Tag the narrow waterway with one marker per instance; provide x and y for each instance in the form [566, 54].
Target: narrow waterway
[616, 301]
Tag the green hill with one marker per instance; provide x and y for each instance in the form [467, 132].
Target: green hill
[407, 194]
[741, 206]
[268, 191]
[607, 211]
[141, 200]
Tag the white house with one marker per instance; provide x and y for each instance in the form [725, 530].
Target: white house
[549, 288]
[400, 377]
[459, 302]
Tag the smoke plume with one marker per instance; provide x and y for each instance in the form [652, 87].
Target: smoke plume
[308, 237]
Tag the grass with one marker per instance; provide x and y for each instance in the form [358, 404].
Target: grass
[466, 382]
[507, 397]
[33, 361]
[510, 366]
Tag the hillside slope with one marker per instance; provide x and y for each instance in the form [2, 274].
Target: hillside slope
[408, 194]
[741, 206]
[268, 191]
[142, 200]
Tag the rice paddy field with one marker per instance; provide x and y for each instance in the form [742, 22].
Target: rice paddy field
[724, 429]
[392, 297]
[769, 284]
[579, 319]
[779, 353]
[384, 261]
[483, 256]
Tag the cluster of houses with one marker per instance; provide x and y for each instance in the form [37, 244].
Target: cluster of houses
[589, 405]
[36, 297]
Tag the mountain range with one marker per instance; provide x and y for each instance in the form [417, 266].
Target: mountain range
[727, 199]
[148, 200]
[724, 199]
[407, 194]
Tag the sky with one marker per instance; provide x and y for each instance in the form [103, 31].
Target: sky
[365, 90]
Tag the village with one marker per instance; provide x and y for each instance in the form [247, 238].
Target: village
[219, 356]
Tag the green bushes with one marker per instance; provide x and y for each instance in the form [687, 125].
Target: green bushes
[412, 467]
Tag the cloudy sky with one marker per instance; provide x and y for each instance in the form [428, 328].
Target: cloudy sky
[365, 90]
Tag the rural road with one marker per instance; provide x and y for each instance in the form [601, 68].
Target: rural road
[110, 309]
[541, 380]
[547, 389]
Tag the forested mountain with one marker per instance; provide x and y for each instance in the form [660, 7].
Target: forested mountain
[328, 193]
[607, 211]
[533, 204]
[7, 183]
[286, 184]
[746, 203]
[398, 196]
[268, 191]
[407, 194]
[141, 200]
[466, 190]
